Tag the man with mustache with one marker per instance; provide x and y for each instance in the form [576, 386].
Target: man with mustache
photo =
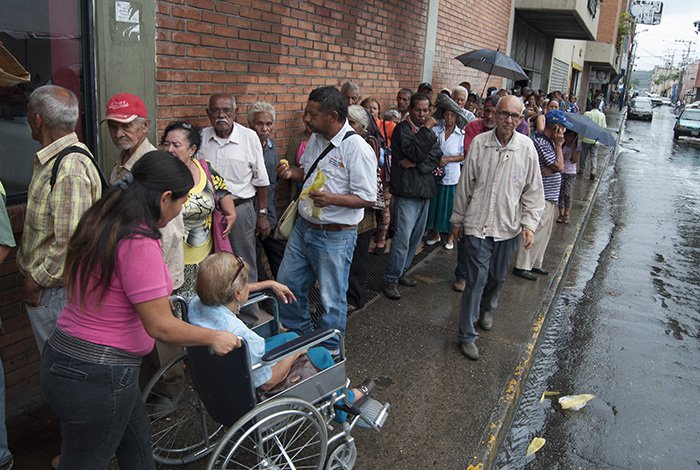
[237, 153]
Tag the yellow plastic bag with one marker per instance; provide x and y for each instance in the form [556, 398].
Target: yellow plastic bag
[316, 185]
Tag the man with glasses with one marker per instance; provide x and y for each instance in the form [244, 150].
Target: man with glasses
[237, 153]
[499, 196]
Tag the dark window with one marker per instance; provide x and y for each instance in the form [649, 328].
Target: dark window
[46, 39]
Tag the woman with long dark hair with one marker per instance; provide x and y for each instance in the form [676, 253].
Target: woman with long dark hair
[118, 288]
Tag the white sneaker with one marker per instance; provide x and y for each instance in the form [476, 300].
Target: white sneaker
[433, 241]
[449, 245]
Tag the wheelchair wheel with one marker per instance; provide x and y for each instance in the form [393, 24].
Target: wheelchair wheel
[285, 433]
[182, 431]
[343, 457]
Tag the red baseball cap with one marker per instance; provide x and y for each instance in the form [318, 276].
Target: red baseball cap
[124, 108]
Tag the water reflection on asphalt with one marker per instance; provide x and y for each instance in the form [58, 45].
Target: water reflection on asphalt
[627, 324]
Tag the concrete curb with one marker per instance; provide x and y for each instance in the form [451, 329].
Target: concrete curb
[493, 436]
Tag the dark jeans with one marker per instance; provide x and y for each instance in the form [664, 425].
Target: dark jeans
[487, 266]
[274, 250]
[101, 413]
[359, 270]
[461, 269]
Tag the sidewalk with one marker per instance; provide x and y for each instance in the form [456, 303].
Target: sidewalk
[447, 412]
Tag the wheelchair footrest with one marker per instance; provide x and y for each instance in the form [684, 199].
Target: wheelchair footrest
[374, 414]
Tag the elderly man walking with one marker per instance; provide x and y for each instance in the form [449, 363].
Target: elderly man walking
[499, 196]
[589, 148]
[65, 183]
[237, 153]
[415, 155]
[549, 151]
[323, 239]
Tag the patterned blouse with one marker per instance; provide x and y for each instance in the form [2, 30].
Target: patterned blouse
[197, 214]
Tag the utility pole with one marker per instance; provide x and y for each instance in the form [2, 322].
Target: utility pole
[630, 65]
[684, 65]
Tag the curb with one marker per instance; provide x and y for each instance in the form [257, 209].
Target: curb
[485, 455]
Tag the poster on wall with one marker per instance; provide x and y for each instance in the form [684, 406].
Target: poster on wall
[599, 77]
[646, 11]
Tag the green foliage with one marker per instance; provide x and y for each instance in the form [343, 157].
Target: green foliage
[624, 28]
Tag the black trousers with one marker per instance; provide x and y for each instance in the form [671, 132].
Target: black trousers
[359, 270]
[274, 250]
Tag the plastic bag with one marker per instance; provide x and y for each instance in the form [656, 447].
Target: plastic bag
[575, 402]
[316, 185]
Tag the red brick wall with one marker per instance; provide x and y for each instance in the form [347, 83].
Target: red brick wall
[609, 20]
[465, 26]
[278, 51]
[20, 355]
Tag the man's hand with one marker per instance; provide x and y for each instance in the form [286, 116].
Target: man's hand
[230, 220]
[528, 237]
[444, 161]
[406, 164]
[430, 123]
[262, 227]
[32, 292]
[457, 232]
[322, 198]
[284, 170]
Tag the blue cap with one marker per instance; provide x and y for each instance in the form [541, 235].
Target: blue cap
[557, 116]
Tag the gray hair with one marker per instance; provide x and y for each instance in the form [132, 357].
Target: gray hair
[261, 107]
[358, 114]
[223, 95]
[350, 86]
[392, 113]
[460, 89]
[57, 106]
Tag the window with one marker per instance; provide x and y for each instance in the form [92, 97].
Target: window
[45, 38]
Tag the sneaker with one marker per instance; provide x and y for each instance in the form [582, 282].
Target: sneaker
[470, 351]
[432, 241]
[459, 285]
[486, 321]
[524, 274]
[449, 245]
[407, 281]
[391, 291]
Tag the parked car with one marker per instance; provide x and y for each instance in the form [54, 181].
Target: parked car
[687, 124]
[666, 101]
[640, 108]
[655, 99]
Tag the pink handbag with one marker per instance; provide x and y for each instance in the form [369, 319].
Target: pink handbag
[218, 220]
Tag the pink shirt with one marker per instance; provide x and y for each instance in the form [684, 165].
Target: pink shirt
[140, 275]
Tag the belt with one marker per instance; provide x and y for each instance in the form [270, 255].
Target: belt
[238, 202]
[90, 352]
[329, 227]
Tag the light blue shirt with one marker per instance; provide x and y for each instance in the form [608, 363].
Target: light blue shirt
[221, 318]
[454, 145]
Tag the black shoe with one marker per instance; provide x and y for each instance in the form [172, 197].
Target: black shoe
[391, 291]
[524, 274]
[470, 351]
[541, 271]
[407, 281]
[592, 176]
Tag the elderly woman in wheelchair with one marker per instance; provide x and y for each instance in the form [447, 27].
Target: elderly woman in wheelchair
[278, 395]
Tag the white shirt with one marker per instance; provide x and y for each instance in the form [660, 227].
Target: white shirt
[350, 168]
[454, 145]
[238, 159]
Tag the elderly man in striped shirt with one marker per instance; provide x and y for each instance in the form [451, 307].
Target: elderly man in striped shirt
[549, 150]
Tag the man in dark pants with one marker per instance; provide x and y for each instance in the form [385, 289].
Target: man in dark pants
[499, 196]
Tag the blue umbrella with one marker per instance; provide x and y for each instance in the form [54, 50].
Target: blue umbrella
[493, 62]
[590, 130]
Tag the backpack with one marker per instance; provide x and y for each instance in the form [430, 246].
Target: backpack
[76, 149]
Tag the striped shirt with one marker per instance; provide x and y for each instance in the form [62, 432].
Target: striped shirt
[53, 214]
[547, 156]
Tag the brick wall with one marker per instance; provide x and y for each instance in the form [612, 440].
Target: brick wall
[278, 51]
[465, 26]
[20, 355]
[609, 20]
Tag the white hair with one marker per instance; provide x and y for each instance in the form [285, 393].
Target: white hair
[460, 89]
[358, 114]
[57, 106]
[261, 107]
[350, 86]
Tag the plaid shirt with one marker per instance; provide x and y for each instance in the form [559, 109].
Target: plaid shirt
[53, 215]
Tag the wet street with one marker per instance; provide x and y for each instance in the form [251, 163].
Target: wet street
[627, 324]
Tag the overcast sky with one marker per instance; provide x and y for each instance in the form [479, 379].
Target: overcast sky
[660, 40]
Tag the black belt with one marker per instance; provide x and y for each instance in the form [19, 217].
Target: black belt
[329, 227]
[238, 202]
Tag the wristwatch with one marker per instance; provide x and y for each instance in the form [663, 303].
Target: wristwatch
[262, 211]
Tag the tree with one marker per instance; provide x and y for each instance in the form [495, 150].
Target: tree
[697, 27]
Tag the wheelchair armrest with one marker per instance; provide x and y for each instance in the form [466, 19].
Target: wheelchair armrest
[302, 342]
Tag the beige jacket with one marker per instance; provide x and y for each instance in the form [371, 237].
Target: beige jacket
[500, 189]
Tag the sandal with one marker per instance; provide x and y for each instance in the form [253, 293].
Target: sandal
[567, 219]
[560, 219]
[365, 388]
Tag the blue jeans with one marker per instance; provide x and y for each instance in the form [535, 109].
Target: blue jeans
[313, 255]
[411, 217]
[487, 265]
[5, 454]
[101, 412]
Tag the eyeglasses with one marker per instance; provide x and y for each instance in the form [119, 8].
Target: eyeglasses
[241, 264]
[505, 115]
[226, 111]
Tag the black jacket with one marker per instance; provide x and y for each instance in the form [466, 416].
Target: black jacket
[421, 148]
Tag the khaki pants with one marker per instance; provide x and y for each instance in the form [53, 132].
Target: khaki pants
[532, 258]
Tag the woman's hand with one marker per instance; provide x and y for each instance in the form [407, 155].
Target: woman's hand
[224, 342]
[283, 292]
[230, 220]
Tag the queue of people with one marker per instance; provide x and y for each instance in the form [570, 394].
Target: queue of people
[101, 261]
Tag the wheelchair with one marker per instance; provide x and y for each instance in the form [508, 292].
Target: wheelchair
[217, 412]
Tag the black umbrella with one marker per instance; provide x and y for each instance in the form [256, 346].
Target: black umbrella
[590, 130]
[493, 62]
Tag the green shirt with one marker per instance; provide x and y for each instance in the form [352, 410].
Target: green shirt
[6, 236]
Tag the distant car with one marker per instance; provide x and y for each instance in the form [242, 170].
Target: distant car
[655, 100]
[666, 101]
[687, 124]
[640, 108]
